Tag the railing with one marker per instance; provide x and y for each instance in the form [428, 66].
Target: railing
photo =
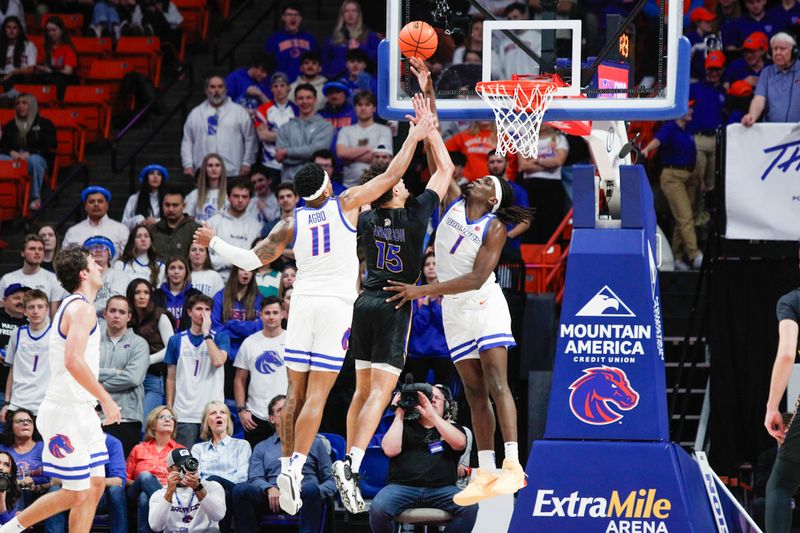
[185, 73]
[554, 280]
[220, 57]
[77, 172]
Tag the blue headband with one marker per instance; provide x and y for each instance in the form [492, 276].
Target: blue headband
[149, 168]
[94, 189]
[99, 240]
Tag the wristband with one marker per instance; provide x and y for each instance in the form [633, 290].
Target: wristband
[240, 408]
[208, 337]
[199, 487]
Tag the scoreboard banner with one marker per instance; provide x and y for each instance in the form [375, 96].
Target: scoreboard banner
[762, 182]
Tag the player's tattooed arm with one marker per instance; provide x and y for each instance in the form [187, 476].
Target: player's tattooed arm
[278, 239]
[485, 263]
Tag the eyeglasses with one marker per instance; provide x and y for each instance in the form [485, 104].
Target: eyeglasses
[166, 417]
[23, 421]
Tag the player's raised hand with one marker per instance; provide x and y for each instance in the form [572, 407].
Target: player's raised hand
[111, 411]
[420, 70]
[204, 234]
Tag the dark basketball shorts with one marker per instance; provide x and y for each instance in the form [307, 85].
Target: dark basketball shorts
[379, 334]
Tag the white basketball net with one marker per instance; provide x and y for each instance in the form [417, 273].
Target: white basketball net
[519, 108]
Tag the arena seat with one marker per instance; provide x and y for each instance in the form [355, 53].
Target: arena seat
[374, 471]
[71, 138]
[144, 53]
[72, 21]
[15, 189]
[46, 95]
[38, 41]
[539, 260]
[338, 446]
[90, 49]
[195, 23]
[109, 73]
[93, 102]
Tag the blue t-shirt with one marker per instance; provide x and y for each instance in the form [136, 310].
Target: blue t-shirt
[781, 19]
[30, 463]
[520, 200]
[736, 31]
[739, 70]
[237, 327]
[677, 146]
[287, 48]
[334, 56]
[698, 66]
[708, 107]
[237, 83]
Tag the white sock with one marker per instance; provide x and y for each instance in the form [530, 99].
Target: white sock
[356, 455]
[286, 465]
[298, 461]
[512, 451]
[12, 526]
[486, 460]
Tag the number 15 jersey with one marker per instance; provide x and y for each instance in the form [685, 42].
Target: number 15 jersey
[325, 251]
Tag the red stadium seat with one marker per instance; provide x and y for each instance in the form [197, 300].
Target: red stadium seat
[72, 21]
[195, 22]
[144, 53]
[93, 102]
[38, 41]
[45, 95]
[89, 49]
[71, 137]
[108, 73]
[539, 261]
[15, 189]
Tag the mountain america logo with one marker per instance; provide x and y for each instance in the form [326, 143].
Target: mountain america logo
[268, 362]
[605, 303]
[60, 446]
[596, 390]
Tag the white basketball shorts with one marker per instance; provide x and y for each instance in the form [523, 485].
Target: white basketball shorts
[475, 322]
[318, 333]
[74, 444]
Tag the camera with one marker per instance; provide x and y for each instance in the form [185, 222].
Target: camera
[191, 464]
[409, 399]
[5, 482]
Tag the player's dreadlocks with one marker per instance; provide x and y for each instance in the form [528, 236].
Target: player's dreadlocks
[508, 213]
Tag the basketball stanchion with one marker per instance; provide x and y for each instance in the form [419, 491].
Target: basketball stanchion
[606, 463]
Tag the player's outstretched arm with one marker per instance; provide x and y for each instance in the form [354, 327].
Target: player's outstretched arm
[419, 128]
[264, 253]
[443, 176]
[78, 321]
[485, 263]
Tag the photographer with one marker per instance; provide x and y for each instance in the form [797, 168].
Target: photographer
[9, 491]
[185, 504]
[424, 446]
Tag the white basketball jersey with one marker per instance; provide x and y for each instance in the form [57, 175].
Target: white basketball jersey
[325, 250]
[458, 241]
[31, 370]
[197, 380]
[63, 388]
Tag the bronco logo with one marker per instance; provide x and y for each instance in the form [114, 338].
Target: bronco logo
[60, 446]
[346, 339]
[268, 362]
[599, 386]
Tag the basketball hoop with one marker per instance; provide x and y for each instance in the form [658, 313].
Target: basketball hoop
[519, 106]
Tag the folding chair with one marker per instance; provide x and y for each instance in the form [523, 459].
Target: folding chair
[45, 95]
[144, 53]
[93, 102]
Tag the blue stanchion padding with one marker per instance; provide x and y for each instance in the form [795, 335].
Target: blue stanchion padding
[583, 196]
[611, 487]
[608, 381]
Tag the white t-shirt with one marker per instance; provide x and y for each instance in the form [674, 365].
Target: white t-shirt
[173, 517]
[263, 357]
[115, 283]
[27, 351]
[44, 280]
[131, 219]
[205, 211]
[209, 282]
[547, 148]
[356, 136]
[28, 58]
[140, 268]
[197, 381]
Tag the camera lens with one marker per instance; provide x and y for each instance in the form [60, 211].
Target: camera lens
[5, 482]
[191, 464]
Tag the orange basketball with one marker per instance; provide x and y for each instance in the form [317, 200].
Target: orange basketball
[418, 39]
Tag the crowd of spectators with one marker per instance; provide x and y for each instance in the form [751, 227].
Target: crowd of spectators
[186, 336]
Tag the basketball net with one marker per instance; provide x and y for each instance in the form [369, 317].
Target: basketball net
[519, 106]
